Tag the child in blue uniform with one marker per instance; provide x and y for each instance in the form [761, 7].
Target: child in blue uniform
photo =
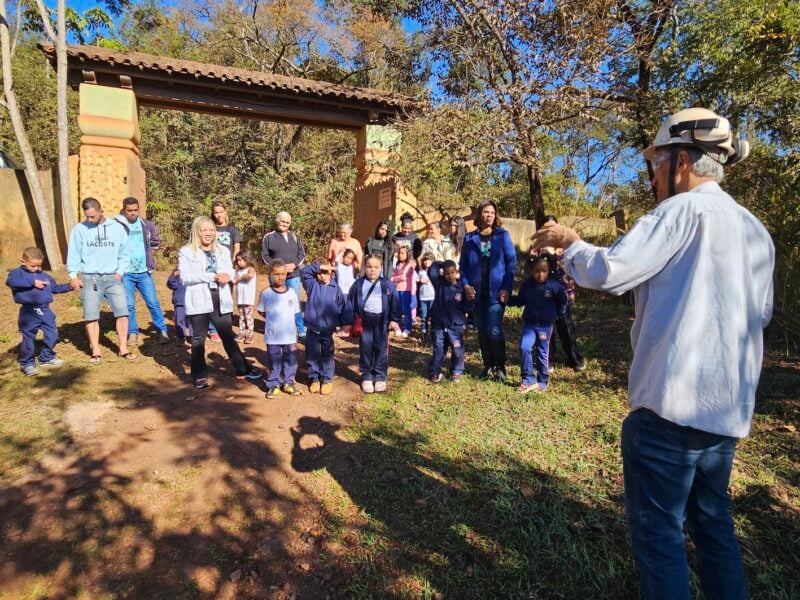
[183, 325]
[34, 290]
[279, 304]
[324, 304]
[375, 300]
[544, 300]
[448, 319]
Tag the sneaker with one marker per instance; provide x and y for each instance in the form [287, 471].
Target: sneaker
[30, 370]
[273, 393]
[326, 388]
[51, 364]
[380, 386]
[524, 388]
[486, 374]
[214, 337]
[314, 387]
[581, 366]
[163, 337]
[367, 386]
[201, 382]
[500, 375]
[288, 388]
[455, 378]
[437, 378]
[253, 375]
[133, 340]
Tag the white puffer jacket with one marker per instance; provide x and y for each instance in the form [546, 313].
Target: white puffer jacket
[192, 266]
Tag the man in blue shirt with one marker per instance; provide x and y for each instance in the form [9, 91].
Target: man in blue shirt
[143, 240]
[97, 259]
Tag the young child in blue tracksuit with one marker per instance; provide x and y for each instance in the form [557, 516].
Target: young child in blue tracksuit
[324, 304]
[183, 326]
[375, 300]
[544, 300]
[34, 290]
[448, 319]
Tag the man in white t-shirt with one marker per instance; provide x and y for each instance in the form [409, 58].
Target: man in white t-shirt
[278, 305]
[700, 267]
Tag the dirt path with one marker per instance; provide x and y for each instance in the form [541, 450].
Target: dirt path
[153, 489]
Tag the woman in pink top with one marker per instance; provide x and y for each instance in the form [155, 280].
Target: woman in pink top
[342, 242]
[404, 278]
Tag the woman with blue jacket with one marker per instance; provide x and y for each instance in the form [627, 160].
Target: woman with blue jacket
[488, 263]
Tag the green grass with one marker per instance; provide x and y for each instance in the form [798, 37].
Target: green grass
[475, 491]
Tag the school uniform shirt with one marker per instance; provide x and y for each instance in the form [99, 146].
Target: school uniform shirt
[345, 277]
[543, 302]
[700, 267]
[450, 306]
[279, 309]
[324, 303]
[426, 290]
[21, 281]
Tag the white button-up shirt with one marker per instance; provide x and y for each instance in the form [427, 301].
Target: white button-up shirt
[700, 266]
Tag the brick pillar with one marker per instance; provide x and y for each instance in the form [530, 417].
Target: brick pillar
[379, 196]
[109, 167]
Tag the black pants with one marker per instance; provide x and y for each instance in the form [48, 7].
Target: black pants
[565, 327]
[224, 325]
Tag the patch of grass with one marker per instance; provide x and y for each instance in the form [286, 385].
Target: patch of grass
[475, 491]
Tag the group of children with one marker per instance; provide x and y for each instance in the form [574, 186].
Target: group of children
[337, 298]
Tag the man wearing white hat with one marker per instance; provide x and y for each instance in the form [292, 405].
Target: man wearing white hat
[700, 267]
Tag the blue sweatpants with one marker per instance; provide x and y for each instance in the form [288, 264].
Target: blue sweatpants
[283, 359]
[319, 355]
[452, 337]
[31, 320]
[535, 340]
[373, 348]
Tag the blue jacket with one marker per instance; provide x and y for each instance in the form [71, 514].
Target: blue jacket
[151, 239]
[392, 310]
[502, 263]
[20, 280]
[450, 304]
[543, 302]
[178, 290]
[324, 303]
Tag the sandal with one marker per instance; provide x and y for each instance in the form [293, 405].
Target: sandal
[96, 359]
[129, 356]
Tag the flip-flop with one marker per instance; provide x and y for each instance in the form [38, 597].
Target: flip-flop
[128, 356]
[96, 359]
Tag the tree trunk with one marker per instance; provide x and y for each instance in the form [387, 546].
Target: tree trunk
[537, 199]
[40, 204]
[62, 120]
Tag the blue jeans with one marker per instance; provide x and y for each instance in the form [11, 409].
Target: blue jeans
[294, 283]
[675, 474]
[534, 339]
[489, 319]
[453, 338]
[424, 312]
[144, 283]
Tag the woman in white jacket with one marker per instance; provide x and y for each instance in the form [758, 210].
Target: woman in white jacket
[206, 271]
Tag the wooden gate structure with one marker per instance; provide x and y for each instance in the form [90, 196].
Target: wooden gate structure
[113, 85]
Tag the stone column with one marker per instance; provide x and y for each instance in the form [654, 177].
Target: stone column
[109, 167]
[379, 196]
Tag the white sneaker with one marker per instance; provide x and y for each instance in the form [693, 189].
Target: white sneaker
[380, 386]
[368, 387]
[51, 364]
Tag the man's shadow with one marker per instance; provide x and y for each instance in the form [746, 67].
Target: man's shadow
[450, 518]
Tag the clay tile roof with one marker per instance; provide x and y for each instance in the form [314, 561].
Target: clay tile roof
[197, 70]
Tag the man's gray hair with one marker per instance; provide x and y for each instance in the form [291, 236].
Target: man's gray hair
[347, 226]
[283, 216]
[705, 166]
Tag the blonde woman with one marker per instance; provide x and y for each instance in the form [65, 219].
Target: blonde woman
[206, 270]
